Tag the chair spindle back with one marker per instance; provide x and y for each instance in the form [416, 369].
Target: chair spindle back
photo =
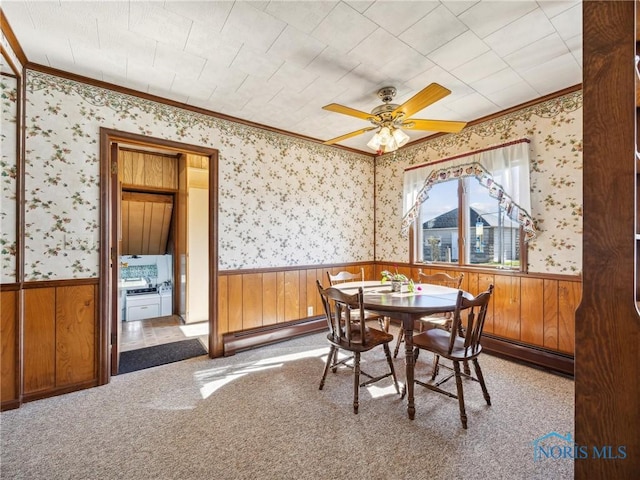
[475, 311]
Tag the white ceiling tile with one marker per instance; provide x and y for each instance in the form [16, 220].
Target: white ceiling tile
[137, 48]
[78, 69]
[437, 111]
[59, 50]
[434, 30]
[153, 21]
[294, 78]
[138, 72]
[224, 101]
[472, 106]
[290, 100]
[209, 14]
[397, 16]
[332, 64]
[361, 83]
[379, 48]
[359, 5]
[486, 17]
[214, 54]
[226, 78]
[458, 51]
[458, 6]
[109, 14]
[575, 46]
[110, 61]
[446, 79]
[343, 28]
[569, 22]
[482, 66]
[172, 59]
[259, 90]
[296, 47]
[206, 43]
[513, 95]
[194, 90]
[305, 15]
[503, 79]
[255, 63]
[18, 13]
[50, 18]
[406, 67]
[551, 8]
[252, 26]
[527, 29]
[537, 53]
[566, 72]
[325, 90]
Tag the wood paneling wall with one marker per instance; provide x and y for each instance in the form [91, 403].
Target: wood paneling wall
[60, 338]
[145, 169]
[534, 311]
[146, 222]
[529, 309]
[256, 299]
[9, 346]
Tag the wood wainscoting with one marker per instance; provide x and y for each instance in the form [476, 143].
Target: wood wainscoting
[256, 307]
[60, 337]
[9, 345]
[531, 316]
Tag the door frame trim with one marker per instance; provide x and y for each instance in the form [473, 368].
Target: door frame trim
[105, 269]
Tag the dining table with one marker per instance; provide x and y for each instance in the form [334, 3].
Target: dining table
[407, 307]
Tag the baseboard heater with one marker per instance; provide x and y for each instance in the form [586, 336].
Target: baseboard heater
[233, 342]
[555, 361]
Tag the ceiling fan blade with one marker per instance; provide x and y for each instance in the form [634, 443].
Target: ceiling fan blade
[422, 99]
[434, 125]
[334, 107]
[348, 135]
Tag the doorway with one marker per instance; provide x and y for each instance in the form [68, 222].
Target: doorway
[145, 225]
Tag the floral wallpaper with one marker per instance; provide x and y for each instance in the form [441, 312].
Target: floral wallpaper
[554, 128]
[8, 177]
[283, 201]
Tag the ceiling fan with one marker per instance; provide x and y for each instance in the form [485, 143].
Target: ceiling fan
[389, 118]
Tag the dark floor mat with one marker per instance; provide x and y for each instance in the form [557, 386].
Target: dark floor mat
[148, 357]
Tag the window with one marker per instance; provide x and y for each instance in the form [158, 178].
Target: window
[461, 223]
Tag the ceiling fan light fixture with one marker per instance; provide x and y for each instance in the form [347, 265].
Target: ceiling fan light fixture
[391, 145]
[384, 135]
[374, 143]
[400, 137]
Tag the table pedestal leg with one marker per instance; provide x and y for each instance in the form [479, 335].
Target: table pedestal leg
[410, 363]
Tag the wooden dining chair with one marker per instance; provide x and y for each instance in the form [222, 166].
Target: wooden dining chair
[342, 277]
[458, 344]
[351, 336]
[441, 320]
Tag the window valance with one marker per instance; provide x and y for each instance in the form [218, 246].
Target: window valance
[503, 170]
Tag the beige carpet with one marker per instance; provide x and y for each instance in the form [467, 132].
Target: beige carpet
[260, 415]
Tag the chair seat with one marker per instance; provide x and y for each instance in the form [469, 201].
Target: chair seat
[438, 320]
[372, 338]
[437, 341]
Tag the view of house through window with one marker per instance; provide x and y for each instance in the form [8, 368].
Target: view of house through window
[464, 209]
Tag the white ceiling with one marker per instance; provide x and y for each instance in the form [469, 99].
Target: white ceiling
[277, 63]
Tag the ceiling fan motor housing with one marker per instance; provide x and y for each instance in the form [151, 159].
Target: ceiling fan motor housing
[387, 94]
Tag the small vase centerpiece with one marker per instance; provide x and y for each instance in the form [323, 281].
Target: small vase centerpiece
[396, 279]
